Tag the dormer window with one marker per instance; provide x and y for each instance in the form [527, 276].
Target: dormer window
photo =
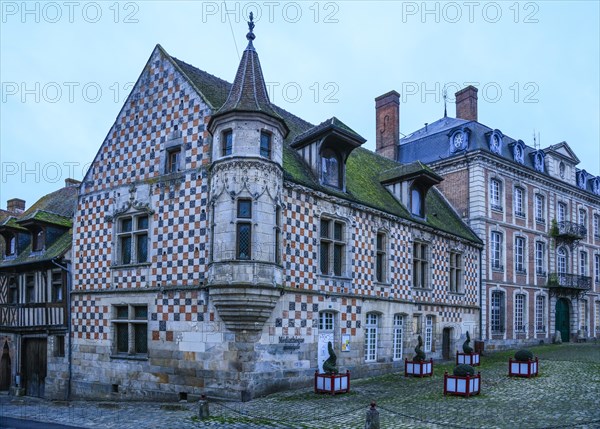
[11, 245]
[38, 236]
[519, 151]
[582, 179]
[459, 140]
[331, 170]
[596, 186]
[417, 202]
[538, 161]
[496, 141]
[227, 143]
[265, 145]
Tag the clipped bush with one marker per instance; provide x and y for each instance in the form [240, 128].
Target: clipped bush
[466, 347]
[419, 354]
[464, 370]
[523, 355]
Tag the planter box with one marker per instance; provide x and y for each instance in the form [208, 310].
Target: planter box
[418, 369]
[523, 369]
[334, 383]
[467, 358]
[462, 386]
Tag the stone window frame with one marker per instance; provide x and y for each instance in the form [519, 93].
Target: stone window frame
[227, 142]
[520, 312]
[59, 345]
[520, 251]
[130, 324]
[267, 151]
[519, 202]
[333, 244]
[541, 313]
[583, 305]
[135, 234]
[497, 261]
[596, 226]
[381, 256]
[497, 312]
[399, 323]
[582, 217]
[562, 254]
[597, 268]
[540, 208]
[456, 272]
[243, 223]
[325, 317]
[496, 193]
[372, 322]
[540, 262]
[560, 206]
[428, 343]
[421, 275]
[584, 265]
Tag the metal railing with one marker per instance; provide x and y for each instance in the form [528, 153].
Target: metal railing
[570, 281]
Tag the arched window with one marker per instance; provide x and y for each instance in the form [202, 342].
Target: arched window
[331, 168]
[11, 245]
[417, 202]
[561, 261]
[38, 240]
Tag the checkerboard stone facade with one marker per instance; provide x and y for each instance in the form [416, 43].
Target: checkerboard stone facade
[190, 349]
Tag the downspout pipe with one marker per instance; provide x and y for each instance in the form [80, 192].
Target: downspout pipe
[70, 352]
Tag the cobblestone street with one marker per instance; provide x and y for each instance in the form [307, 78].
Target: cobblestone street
[565, 394]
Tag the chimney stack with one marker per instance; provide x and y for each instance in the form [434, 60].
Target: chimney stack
[387, 122]
[15, 206]
[72, 182]
[466, 103]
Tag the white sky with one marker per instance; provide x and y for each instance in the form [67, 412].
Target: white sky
[66, 68]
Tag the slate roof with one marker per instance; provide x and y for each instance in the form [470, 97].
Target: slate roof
[363, 167]
[56, 209]
[431, 144]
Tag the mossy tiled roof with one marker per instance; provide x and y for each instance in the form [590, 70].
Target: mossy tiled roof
[43, 216]
[404, 171]
[58, 248]
[56, 209]
[363, 167]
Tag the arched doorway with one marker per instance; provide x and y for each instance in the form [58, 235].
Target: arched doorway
[446, 342]
[563, 319]
[5, 368]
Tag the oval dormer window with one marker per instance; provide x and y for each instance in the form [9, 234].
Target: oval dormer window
[496, 142]
[561, 169]
[330, 168]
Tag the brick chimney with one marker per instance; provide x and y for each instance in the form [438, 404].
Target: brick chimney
[15, 206]
[71, 182]
[466, 103]
[387, 122]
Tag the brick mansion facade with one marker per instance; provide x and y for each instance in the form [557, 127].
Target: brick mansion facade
[539, 216]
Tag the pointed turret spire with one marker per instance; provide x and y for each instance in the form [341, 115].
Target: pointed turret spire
[249, 91]
[250, 36]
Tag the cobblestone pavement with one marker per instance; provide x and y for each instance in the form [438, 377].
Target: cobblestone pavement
[565, 394]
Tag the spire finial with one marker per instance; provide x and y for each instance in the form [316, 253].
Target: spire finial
[445, 97]
[250, 36]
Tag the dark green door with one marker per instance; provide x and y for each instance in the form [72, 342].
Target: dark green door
[562, 319]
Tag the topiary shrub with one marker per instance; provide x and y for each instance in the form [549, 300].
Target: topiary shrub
[466, 347]
[419, 354]
[523, 355]
[330, 365]
[463, 370]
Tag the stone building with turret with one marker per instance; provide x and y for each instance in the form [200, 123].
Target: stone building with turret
[221, 242]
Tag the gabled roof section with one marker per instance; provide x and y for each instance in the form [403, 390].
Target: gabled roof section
[57, 249]
[563, 150]
[409, 171]
[11, 223]
[42, 216]
[330, 125]
[62, 203]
